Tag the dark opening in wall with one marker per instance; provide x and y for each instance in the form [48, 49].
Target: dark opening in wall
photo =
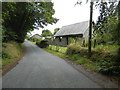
[60, 39]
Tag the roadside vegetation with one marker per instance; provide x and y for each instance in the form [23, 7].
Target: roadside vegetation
[104, 60]
[105, 43]
[22, 18]
[11, 51]
[62, 52]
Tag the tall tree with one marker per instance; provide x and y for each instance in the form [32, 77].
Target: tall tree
[20, 18]
[118, 27]
[106, 23]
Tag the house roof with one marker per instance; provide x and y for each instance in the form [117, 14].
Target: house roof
[37, 36]
[73, 29]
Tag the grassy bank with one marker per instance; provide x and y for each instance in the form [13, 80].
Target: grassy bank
[11, 51]
[61, 52]
[104, 59]
[32, 42]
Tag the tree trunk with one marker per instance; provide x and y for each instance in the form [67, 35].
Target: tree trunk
[118, 28]
[90, 28]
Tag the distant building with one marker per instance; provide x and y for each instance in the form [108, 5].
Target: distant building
[36, 37]
[78, 30]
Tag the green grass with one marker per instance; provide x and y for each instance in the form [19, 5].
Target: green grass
[107, 48]
[61, 49]
[11, 51]
[55, 53]
[87, 63]
[101, 55]
[32, 42]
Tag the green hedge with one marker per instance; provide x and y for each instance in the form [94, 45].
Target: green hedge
[42, 44]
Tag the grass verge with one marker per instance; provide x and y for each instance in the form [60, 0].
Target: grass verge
[32, 42]
[11, 52]
[85, 62]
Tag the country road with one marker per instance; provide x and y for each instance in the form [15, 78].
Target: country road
[40, 69]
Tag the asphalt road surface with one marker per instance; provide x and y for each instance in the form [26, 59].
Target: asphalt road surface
[40, 69]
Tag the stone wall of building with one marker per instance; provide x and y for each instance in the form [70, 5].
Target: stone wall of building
[63, 41]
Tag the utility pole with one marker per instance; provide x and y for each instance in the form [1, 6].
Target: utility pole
[90, 29]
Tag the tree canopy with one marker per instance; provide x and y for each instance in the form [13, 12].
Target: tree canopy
[18, 18]
[105, 30]
[46, 33]
[56, 30]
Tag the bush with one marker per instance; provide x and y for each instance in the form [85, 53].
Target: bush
[110, 70]
[76, 49]
[112, 66]
[5, 55]
[73, 49]
[42, 44]
[106, 60]
[38, 41]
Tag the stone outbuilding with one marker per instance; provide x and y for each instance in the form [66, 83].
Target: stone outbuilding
[77, 30]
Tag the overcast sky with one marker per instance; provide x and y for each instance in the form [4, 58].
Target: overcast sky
[68, 13]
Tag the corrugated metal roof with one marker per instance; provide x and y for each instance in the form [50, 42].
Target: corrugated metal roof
[73, 29]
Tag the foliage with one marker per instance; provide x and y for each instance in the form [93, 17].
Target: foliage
[38, 40]
[46, 33]
[111, 67]
[71, 49]
[60, 49]
[76, 49]
[5, 55]
[107, 23]
[27, 36]
[106, 48]
[62, 55]
[105, 57]
[35, 39]
[72, 40]
[18, 18]
[11, 51]
[117, 34]
[56, 30]
[74, 57]
[42, 44]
